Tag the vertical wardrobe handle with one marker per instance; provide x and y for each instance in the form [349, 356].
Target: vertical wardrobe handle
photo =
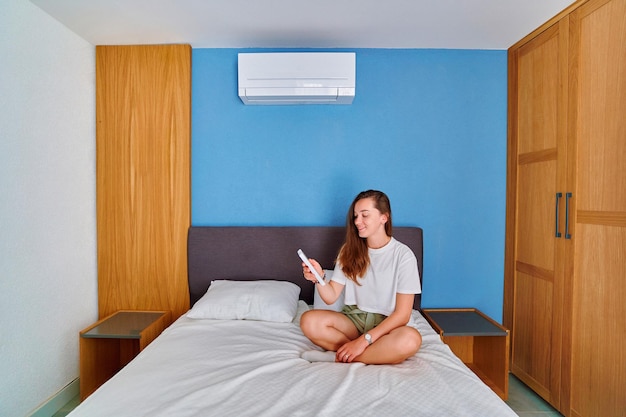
[556, 216]
[567, 197]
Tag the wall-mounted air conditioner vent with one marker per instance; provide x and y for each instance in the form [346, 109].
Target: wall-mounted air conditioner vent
[297, 78]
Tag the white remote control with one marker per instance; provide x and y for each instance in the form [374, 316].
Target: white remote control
[313, 270]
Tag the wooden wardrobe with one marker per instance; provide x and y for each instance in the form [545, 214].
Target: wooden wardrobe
[143, 152]
[565, 265]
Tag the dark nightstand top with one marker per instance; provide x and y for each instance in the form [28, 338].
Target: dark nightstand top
[466, 322]
[123, 325]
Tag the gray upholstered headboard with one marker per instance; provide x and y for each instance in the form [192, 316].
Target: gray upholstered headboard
[252, 253]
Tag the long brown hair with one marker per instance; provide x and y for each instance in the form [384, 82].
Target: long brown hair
[354, 256]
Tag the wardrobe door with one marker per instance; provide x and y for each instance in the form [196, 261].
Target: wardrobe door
[537, 138]
[598, 129]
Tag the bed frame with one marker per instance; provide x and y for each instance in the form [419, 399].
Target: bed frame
[254, 367]
[252, 253]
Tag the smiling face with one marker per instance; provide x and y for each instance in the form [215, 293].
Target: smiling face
[368, 220]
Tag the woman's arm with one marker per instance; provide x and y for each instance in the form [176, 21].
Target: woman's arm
[400, 316]
[329, 292]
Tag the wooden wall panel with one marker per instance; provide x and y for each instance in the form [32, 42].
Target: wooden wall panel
[143, 115]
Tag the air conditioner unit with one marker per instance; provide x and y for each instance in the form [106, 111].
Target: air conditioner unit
[297, 78]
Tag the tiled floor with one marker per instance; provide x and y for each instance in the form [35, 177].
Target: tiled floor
[526, 403]
[521, 399]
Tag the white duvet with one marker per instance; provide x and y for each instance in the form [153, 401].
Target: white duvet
[252, 368]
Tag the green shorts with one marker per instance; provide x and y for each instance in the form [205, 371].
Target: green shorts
[363, 320]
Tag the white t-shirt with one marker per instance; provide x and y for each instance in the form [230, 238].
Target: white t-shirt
[393, 269]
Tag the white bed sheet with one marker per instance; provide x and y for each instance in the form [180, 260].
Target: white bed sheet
[250, 368]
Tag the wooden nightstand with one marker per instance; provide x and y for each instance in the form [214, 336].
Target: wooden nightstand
[480, 342]
[108, 345]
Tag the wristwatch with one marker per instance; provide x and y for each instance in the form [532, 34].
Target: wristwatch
[368, 338]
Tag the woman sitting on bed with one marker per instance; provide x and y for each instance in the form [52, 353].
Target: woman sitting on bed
[380, 278]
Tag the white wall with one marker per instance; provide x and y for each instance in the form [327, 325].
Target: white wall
[48, 269]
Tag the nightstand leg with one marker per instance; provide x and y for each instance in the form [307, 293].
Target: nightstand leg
[99, 361]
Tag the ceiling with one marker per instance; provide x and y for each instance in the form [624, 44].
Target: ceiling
[447, 24]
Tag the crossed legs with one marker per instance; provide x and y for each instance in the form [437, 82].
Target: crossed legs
[331, 330]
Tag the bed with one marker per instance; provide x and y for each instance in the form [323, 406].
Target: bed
[243, 359]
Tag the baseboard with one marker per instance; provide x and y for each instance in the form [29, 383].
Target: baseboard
[57, 401]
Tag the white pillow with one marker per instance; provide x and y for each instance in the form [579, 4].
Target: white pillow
[319, 304]
[248, 300]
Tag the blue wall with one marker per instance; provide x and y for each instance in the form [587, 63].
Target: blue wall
[428, 127]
